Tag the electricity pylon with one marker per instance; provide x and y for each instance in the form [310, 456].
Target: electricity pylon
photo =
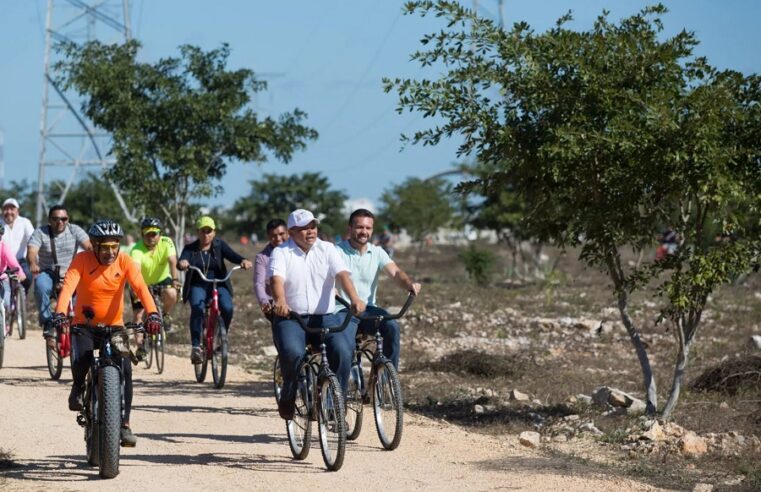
[67, 139]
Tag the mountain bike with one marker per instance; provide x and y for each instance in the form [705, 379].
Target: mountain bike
[215, 344]
[102, 399]
[17, 308]
[318, 398]
[154, 343]
[56, 355]
[385, 391]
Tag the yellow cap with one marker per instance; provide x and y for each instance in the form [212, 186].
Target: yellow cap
[205, 221]
[148, 230]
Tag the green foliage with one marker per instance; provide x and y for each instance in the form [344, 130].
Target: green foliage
[26, 194]
[91, 199]
[478, 263]
[419, 206]
[605, 135]
[277, 196]
[175, 123]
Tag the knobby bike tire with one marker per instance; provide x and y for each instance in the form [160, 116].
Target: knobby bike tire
[331, 420]
[219, 354]
[110, 412]
[55, 361]
[92, 436]
[354, 407]
[299, 429]
[277, 378]
[159, 349]
[387, 404]
[20, 312]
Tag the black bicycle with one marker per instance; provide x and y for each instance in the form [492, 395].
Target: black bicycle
[154, 342]
[318, 398]
[385, 391]
[16, 314]
[103, 398]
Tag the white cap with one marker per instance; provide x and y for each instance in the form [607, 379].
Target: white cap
[301, 218]
[10, 201]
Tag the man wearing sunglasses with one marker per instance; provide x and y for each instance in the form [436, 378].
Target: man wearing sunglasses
[49, 253]
[156, 256]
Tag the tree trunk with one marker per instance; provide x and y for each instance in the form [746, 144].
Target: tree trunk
[683, 349]
[613, 261]
[417, 254]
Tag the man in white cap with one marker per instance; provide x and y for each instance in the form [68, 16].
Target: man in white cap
[18, 230]
[303, 271]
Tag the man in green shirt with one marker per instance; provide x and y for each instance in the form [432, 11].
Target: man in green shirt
[157, 258]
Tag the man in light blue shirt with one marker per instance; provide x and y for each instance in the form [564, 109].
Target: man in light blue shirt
[366, 261]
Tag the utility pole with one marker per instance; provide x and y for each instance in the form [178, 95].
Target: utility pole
[67, 139]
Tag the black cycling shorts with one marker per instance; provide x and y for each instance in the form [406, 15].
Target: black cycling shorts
[136, 304]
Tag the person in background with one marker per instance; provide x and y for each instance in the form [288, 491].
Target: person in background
[18, 231]
[277, 234]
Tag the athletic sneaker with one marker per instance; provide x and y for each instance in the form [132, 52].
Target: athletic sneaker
[128, 439]
[196, 357]
[75, 399]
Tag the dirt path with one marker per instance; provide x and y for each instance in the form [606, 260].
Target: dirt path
[192, 437]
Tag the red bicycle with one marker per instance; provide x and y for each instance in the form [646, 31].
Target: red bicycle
[215, 344]
[62, 349]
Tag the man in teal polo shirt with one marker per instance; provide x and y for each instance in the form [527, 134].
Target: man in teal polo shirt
[366, 261]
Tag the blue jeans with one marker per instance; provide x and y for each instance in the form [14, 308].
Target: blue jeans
[291, 341]
[389, 330]
[199, 294]
[43, 287]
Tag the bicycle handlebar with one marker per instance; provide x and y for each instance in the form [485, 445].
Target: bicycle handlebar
[381, 317]
[330, 329]
[203, 277]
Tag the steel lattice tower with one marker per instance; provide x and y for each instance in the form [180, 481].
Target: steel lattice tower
[67, 139]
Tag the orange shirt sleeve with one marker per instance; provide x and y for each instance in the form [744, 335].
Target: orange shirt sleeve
[70, 282]
[135, 279]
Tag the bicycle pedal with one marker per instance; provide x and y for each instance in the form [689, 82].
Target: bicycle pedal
[81, 420]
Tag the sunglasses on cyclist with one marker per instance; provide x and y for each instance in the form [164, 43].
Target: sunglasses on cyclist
[59, 219]
[113, 246]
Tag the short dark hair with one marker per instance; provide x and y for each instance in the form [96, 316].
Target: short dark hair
[274, 224]
[55, 208]
[361, 212]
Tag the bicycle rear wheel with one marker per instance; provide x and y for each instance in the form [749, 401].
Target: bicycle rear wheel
[20, 312]
[158, 349]
[110, 420]
[55, 361]
[299, 429]
[387, 404]
[354, 405]
[219, 354]
[331, 420]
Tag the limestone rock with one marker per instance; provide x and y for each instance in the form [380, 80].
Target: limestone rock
[703, 487]
[756, 341]
[693, 445]
[518, 396]
[529, 439]
[655, 433]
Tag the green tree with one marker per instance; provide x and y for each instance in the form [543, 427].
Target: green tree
[90, 199]
[277, 196]
[607, 133]
[420, 207]
[175, 123]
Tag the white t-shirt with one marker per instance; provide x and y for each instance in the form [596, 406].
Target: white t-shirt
[17, 237]
[309, 278]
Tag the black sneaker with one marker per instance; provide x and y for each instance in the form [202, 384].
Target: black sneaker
[196, 357]
[128, 439]
[75, 399]
[286, 409]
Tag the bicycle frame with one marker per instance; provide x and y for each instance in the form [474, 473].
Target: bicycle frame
[104, 358]
[212, 306]
[364, 345]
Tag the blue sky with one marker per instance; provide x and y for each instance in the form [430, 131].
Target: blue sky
[326, 58]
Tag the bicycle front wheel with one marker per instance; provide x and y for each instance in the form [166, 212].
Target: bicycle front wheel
[149, 343]
[158, 349]
[92, 436]
[110, 413]
[55, 361]
[20, 312]
[277, 379]
[219, 354]
[2, 343]
[354, 405]
[331, 420]
[201, 367]
[299, 429]
[387, 404]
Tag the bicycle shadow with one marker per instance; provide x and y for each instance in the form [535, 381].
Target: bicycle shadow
[54, 469]
[184, 438]
[168, 388]
[252, 412]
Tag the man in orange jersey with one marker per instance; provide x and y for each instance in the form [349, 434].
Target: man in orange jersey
[98, 277]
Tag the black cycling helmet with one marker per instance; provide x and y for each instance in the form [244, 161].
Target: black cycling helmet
[150, 222]
[105, 228]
